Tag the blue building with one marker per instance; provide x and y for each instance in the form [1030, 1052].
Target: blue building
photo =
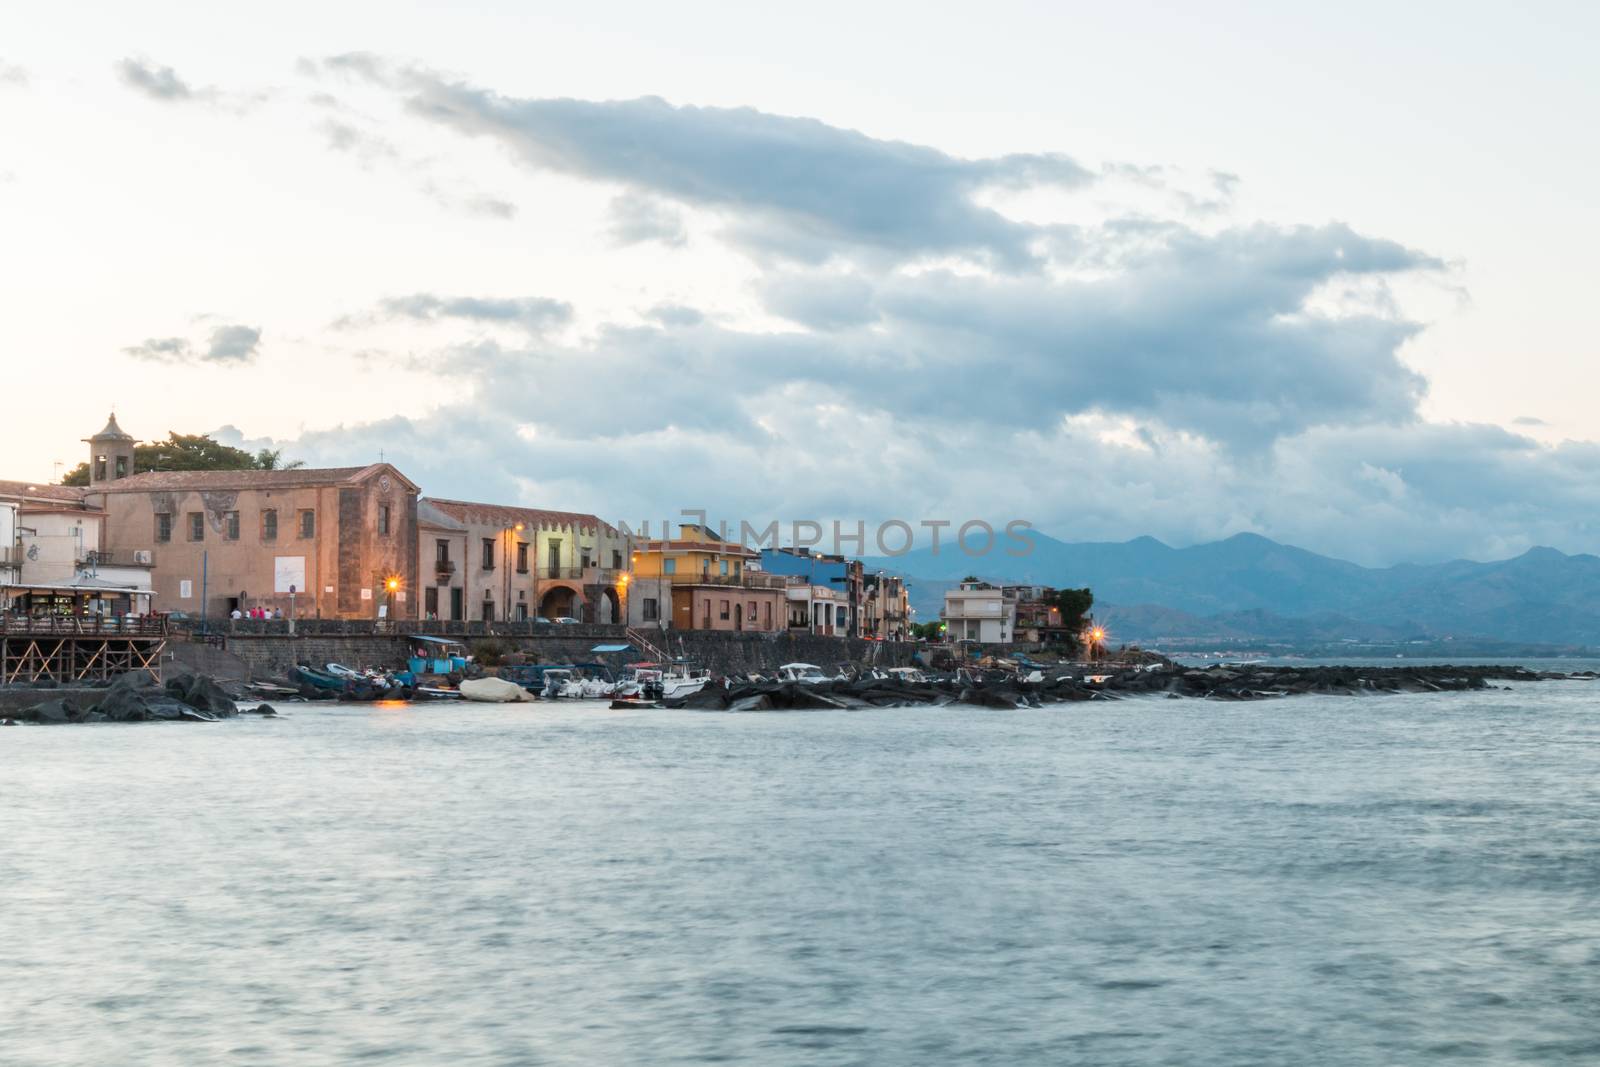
[836, 572]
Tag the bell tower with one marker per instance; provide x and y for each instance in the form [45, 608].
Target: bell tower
[110, 453]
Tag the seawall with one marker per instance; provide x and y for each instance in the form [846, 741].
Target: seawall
[271, 655]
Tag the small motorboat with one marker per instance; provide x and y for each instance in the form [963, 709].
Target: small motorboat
[804, 673]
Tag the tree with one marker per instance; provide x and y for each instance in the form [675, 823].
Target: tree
[190, 452]
[928, 631]
[1074, 605]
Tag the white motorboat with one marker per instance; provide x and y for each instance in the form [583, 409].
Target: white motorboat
[804, 673]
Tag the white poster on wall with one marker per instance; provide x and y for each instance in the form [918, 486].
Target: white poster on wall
[287, 571]
[366, 594]
[185, 589]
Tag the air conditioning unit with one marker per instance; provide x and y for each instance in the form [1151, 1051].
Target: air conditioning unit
[142, 555]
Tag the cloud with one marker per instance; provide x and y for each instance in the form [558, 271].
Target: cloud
[162, 350]
[234, 344]
[535, 315]
[228, 345]
[156, 82]
[636, 218]
[784, 182]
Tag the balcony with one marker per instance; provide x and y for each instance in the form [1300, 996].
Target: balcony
[738, 581]
[444, 566]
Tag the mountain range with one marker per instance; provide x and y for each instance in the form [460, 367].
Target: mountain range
[1251, 586]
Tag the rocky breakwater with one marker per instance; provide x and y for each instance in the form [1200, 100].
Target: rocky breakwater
[137, 698]
[1170, 680]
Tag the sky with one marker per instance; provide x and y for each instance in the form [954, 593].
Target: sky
[1318, 273]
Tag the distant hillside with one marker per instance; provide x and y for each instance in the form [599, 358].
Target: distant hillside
[1249, 585]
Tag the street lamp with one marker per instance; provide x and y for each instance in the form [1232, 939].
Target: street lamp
[392, 585]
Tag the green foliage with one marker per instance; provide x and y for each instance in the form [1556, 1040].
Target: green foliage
[1074, 605]
[191, 452]
[927, 631]
[488, 652]
[972, 578]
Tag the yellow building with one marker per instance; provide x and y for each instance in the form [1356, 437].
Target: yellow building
[698, 581]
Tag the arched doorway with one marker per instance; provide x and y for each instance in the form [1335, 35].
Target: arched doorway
[560, 602]
[608, 606]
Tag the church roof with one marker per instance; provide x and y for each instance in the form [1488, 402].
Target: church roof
[112, 432]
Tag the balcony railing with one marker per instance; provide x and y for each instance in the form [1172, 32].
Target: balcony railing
[444, 566]
[740, 581]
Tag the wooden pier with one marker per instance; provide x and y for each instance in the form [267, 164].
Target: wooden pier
[71, 649]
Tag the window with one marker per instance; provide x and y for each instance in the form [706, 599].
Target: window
[230, 526]
[488, 611]
[585, 563]
[269, 525]
[737, 568]
[751, 615]
[122, 466]
[383, 519]
[651, 610]
[441, 551]
[522, 557]
[163, 527]
[724, 567]
[724, 610]
[616, 560]
[669, 566]
[100, 468]
[308, 523]
[197, 526]
[430, 601]
[488, 556]
[554, 548]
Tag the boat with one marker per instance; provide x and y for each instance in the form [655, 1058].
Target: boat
[303, 675]
[494, 691]
[804, 673]
[908, 675]
[683, 680]
[435, 692]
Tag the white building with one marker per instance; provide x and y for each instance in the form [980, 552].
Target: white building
[978, 611]
[53, 560]
[819, 609]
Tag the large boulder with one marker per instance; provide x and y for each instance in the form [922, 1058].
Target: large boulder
[202, 694]
[53, 712]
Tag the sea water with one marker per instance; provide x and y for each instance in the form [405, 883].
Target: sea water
[1327, 880]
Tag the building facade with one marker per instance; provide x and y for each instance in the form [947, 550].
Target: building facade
[886, 608]
[528, 563]
[978, 611]
[698, 581]
[817, 609]
[845, 576]
[53, 558]
[336, 543]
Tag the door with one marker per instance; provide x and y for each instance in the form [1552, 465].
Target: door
[738, 616]
[457, 608]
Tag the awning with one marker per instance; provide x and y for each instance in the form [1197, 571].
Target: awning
[433, 640]
[610, 648]
[89, 588]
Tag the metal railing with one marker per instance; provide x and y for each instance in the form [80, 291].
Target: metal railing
[444, 566]
[738, 581]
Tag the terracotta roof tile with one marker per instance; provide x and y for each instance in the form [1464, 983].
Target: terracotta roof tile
[507, 515]
[68, 494]
[299, 477]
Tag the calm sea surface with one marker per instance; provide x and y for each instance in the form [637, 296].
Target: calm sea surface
[1388, 880]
